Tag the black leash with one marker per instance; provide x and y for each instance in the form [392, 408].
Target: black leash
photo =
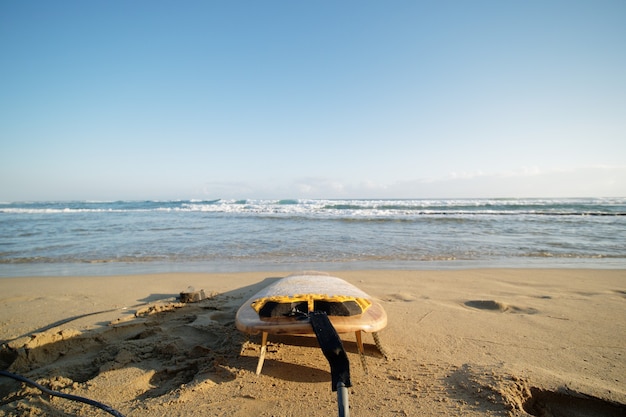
[62, 395]
[332, 348]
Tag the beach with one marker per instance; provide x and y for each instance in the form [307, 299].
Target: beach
[473, 342]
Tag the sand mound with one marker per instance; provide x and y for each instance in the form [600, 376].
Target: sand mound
[152, 353]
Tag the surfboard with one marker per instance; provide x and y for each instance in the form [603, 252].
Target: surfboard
[282, 308]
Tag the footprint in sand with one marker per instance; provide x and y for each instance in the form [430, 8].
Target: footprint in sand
[620, 292]
[549, 403]
[486, 386]
[403, 296]
[492, 305]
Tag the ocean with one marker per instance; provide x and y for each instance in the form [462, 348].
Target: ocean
[122, 237]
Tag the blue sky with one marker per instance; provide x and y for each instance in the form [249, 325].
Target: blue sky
[105, 100]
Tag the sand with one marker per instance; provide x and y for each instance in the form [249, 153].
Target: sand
[488, 342]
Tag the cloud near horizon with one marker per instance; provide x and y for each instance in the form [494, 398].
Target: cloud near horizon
[589, 181]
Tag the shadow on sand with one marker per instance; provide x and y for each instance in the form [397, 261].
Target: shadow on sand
[165, 343]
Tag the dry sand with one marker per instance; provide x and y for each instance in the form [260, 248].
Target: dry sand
[492, 342]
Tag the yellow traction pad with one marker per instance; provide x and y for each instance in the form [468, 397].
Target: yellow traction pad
[307, 293]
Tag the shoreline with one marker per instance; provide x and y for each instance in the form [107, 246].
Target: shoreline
[9, 270]
[484, 341]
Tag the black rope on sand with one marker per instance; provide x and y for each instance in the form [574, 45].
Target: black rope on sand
[62, 395]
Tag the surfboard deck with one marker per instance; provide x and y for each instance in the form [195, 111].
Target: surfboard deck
[282, 308]
[321, 288]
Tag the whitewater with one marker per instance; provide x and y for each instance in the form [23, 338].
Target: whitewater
[110, 237]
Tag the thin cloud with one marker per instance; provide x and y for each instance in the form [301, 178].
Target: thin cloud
[586, 181]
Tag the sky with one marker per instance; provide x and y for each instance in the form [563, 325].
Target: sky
[135, 100]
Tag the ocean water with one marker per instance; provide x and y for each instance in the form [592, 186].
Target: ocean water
[100, 238]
